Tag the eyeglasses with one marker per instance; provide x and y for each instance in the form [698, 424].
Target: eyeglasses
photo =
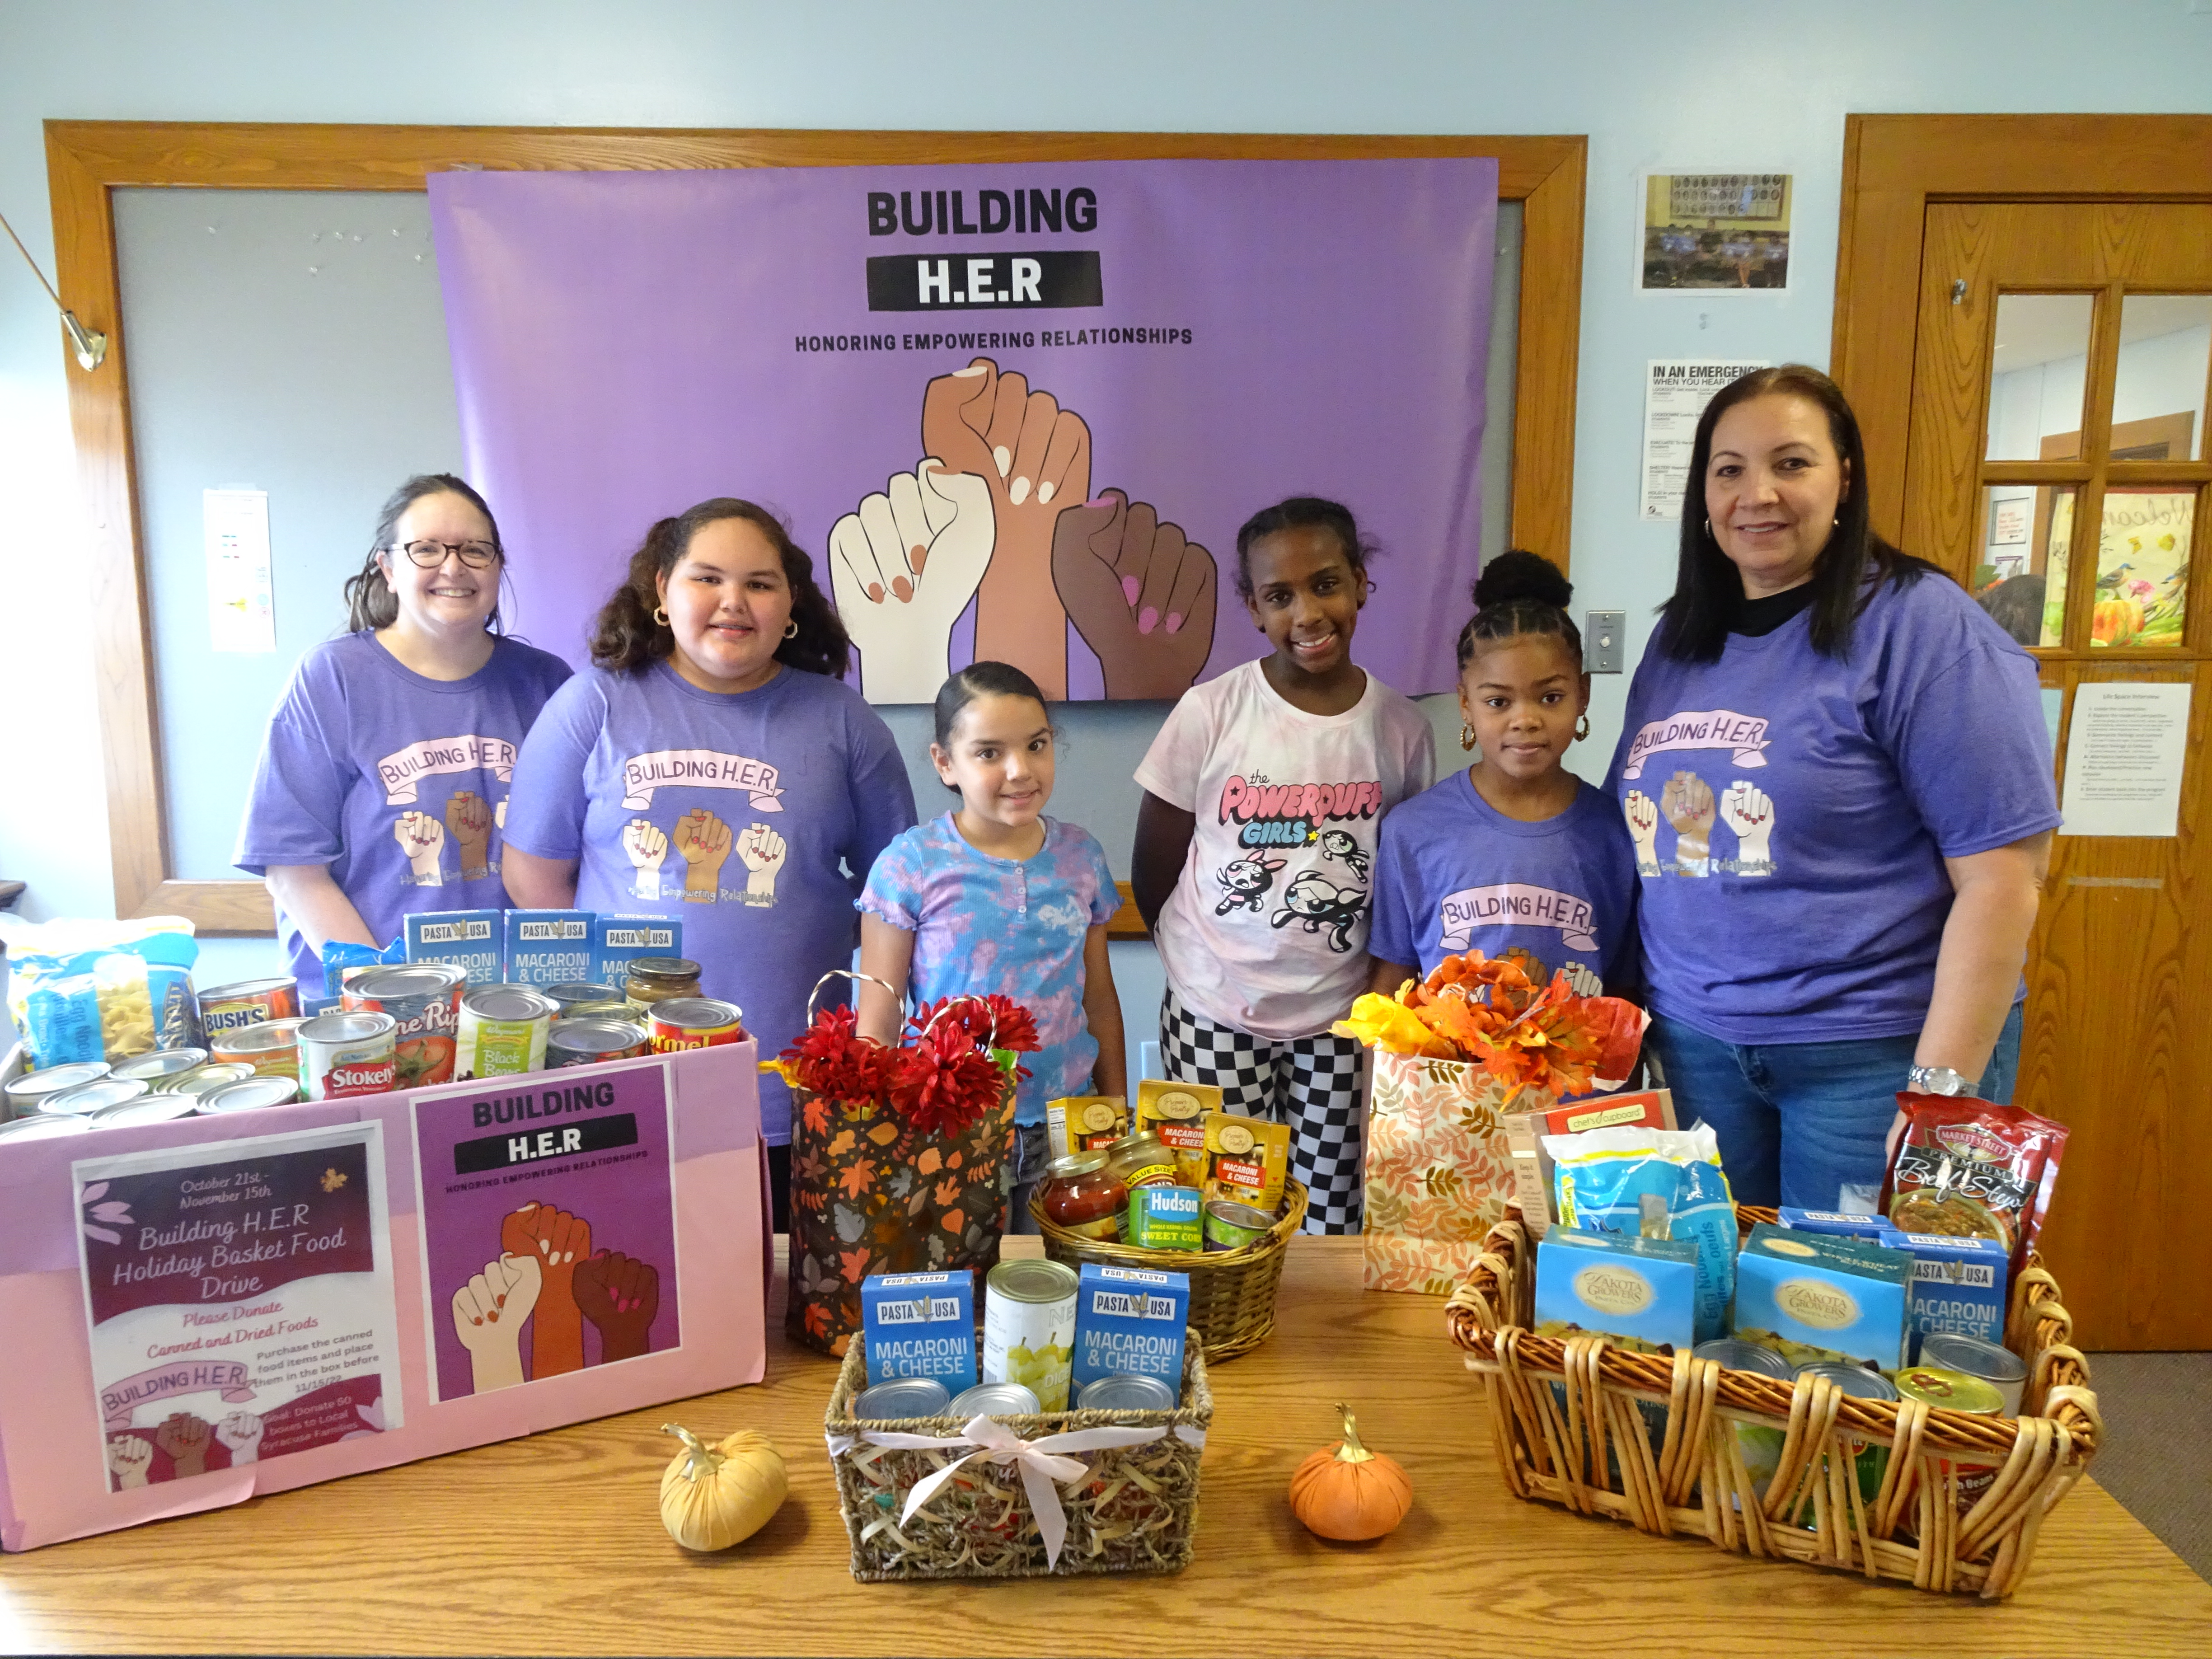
[430, 555]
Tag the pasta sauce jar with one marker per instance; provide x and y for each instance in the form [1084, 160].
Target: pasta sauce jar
[1081, 1196]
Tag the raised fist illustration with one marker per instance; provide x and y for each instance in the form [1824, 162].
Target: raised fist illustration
[902, 569]
[1687, 801]
[762, 851]
[488, 1314]
[620, 1295]
[1140, 594]
[647, 847]
[1036, 458]
[1582, 980]
[1643, 815]
[702, 840]
[239, 1434]
[129, 1458]
[1747, 810]
[421, 837]
[185, 1438]
[468, 824]
[559, 1241]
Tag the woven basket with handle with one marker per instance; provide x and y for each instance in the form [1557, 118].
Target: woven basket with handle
[1232, 1293]
[1564, 1419]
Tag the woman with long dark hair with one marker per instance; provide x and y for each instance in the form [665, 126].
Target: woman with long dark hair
[1835, 769]
[383, 776]
[714, 766]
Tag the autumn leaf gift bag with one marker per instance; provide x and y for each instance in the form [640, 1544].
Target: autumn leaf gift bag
[899, 1157]
[1453, 1052]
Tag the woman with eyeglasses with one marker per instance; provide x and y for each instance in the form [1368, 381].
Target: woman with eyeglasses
[382, 785]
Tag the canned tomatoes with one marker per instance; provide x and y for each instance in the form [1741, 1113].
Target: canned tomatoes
[343, 1054]
[693, 1023]
[270, 1048]
[574, 1041]
[425, 999]
[249, 1002]
[503, 1031]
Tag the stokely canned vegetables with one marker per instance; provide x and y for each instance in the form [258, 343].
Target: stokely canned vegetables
[425, 999]
[693, 1023]
[349, 1053]
[503, 1031]
[272, 1048]
[577, 1041]
[249, 1002]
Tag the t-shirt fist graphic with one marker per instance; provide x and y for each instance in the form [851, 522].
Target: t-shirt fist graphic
[422, 838]
[1745, 810]
[762, 851]
[1643, 815]
[702, 840]
[1139, 592]
[1687, 801]
[646, 847]
[468, 823]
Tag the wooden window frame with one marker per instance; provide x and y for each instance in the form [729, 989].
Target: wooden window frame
[85, 160]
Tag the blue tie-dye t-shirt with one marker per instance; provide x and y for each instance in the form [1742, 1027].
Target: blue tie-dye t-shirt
[1013, 926]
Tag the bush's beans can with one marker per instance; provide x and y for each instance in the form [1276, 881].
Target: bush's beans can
[424, 998]
[349, 1054]
[503, 1031]
[572, 995]
[23, 1095]
[161, 1068]
[249, 1002]
[87, 1098]
[272, 1049]
[693, 1023]
[249, 1094]
[576, 1041]
[1029, 1327]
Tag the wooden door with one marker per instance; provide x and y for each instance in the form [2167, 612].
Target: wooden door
[2057, 437]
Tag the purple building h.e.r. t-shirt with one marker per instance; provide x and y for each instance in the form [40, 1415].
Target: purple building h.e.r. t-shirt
[397, 781]
[1791, 812]
[751, 816]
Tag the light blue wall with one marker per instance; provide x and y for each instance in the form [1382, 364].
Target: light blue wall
[1689, 86]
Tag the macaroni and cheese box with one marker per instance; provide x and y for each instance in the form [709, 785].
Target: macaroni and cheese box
[616, 940]
[919, 1325]
[1165, 1218]
[1835, 1223]
[470, 939]
[1080, 1122]
[549, 947]
[1130, 1321]
[1651, 1109]
[1809, 1295]
[1958, 1284]
[1246, 1160]
[1640, 1292]
[1177, 1113]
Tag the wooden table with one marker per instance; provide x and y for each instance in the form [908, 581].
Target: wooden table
[554, 1544]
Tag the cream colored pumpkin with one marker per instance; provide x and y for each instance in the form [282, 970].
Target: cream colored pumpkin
[1349, 1492]
[713, 1497]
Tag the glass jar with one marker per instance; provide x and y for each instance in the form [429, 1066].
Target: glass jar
[656, 979]
[1141, 1159]
[1081, 1196]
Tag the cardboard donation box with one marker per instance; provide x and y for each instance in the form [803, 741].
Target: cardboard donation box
[228, 1305]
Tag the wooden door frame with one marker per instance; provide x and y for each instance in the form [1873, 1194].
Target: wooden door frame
[88, 160]
[1895, 165]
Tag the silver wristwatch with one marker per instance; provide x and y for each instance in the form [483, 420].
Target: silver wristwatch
[1936, 1080]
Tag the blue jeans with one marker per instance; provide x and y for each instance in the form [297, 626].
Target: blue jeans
[1803, 1123]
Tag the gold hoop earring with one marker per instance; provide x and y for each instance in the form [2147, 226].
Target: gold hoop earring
[1466, 737]
[791, 628]
[1582, 728]
[659, 617]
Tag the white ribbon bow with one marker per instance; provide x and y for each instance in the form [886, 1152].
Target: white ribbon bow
[1038, 1460]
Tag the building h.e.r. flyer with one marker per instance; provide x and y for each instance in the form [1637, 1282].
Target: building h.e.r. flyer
[239, 1300]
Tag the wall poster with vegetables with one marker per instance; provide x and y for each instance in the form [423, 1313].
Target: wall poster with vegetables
[239, 1300]
[549, 1225]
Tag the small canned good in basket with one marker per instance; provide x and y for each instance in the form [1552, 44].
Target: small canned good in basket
[657, 978]
[1999, 1366]
[1233, 1226]
[1029, 1330]
[677, 1022]
[220, 1074]
[250, 1094]
[271, 1048]
[147, 1109]
[1860, 1383]
[503, 1031]
[424, 1000]
[571, 994]
[43, 1126]
[344, 1054]
[578, 1041]
[901, 1397]
[1165, 1218]
[1955, 1391]
[23, 1095]
[1126, 1394]
[995, 1400]
[89, 1097]
[161, 1068]
[224, 1008]
[1759, 1446]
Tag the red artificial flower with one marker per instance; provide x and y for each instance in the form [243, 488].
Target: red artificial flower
[833, 1060]
[990, 1022]
[943, 1083]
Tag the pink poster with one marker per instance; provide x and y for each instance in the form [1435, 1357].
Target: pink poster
[240, 1301]
[549, 1225]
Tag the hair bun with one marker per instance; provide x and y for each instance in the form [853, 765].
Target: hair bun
[1518, 573]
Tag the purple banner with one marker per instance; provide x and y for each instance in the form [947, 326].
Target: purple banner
[1012, 411]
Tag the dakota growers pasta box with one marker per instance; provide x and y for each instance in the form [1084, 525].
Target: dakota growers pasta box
[1641, 1293]
[470, 939]
[919, 1325]
[1810, 1297]
[616, 940]
[549, 947]
[1958, 1284]
[1129, 1320]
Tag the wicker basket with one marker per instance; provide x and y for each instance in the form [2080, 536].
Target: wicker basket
[1580, 1442]
[1232, 1293]
[1135, 1513]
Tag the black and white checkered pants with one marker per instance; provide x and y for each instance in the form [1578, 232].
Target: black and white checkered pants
[1314, 1084]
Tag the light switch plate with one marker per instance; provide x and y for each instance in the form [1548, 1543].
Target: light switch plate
[1604, 640]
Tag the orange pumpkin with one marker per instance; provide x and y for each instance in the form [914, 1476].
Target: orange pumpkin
[1349, 1492]
[2116, 622]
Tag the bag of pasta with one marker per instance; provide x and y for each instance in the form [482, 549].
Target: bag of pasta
[100, 990]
